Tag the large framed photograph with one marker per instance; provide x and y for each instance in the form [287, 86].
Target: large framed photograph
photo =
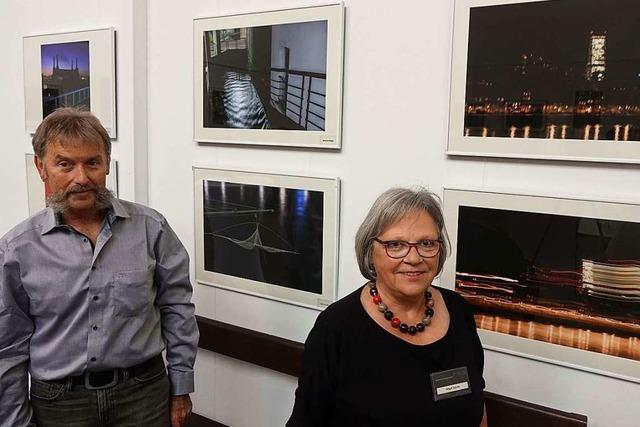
[554, 279]
[550, 79]
[70, 70]
[271, 78]
[274, 236]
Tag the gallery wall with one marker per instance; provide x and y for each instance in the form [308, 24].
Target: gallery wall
[26, 18]
[395, 114]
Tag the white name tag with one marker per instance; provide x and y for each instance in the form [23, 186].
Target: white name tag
[451, 388]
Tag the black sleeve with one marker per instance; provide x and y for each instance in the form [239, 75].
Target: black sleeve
[478, 351]
[315, 395]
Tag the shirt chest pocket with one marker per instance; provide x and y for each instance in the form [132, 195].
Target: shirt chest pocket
[133, 292]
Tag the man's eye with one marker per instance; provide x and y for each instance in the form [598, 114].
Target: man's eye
[63, 164]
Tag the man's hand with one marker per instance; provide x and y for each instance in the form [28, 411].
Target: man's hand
[180, 410]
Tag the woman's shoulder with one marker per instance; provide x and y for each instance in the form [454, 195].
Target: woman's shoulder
[452, 297]
[346, 308]
[457, 305]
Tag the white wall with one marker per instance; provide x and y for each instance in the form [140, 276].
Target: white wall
[395, 125]
[19, 18]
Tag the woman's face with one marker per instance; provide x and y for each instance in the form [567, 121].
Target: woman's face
[408, 276]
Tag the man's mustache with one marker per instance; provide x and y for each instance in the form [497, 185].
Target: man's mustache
[78, 188]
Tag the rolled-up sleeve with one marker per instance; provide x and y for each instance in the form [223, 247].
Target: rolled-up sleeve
[16, 329]
[179, 327]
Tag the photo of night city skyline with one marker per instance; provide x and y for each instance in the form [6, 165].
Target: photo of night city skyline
[557, 69]
[65, 76]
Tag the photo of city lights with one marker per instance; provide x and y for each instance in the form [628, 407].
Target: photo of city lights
[65, 76]
[564, 71]
[268, 235]
[538, 271]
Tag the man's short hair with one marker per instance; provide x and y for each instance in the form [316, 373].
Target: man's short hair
[69, 124]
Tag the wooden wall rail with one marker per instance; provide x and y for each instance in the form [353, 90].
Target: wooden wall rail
[285, 356]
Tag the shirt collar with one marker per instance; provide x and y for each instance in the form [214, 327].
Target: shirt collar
[116, 211]
[53, 220]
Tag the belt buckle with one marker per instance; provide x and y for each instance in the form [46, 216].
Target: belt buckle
[89, 386]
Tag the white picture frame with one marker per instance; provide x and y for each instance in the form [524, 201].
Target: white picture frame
[99, 58]
[296, 92]
[516, 334]
[269, 235]
[575, 121]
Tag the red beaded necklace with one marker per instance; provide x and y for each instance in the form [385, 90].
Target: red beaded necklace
[397, 323]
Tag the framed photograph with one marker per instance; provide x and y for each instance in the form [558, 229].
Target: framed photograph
[271, 78]
[550, 79]
[552, 279]
[38, 191]
[70, 70]
[274, 236]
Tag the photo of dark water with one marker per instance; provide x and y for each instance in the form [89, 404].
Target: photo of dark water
[266, 77]
[267, 234]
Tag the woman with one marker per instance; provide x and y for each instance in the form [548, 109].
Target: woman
[386, 353]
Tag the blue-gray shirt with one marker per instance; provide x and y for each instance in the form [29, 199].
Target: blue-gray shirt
[66, 307]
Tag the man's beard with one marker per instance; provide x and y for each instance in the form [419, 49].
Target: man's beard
[59, 202]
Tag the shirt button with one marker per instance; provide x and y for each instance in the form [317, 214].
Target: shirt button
[96, 297]
[93, 359]
[95, 328]
[84, 239]
[93, 267]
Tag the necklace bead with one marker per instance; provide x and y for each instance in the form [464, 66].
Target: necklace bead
[396, 322]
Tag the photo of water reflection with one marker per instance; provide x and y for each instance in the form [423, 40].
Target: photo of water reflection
[267, 234]
[568, 280]
[266, 77]
[563, 69]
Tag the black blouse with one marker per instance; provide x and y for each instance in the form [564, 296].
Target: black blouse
[355, 373]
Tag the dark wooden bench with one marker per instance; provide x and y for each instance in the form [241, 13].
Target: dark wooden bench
[285, 356]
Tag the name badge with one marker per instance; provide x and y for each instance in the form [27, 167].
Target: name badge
[451, 383]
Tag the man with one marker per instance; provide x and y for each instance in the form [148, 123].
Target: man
[92, 289]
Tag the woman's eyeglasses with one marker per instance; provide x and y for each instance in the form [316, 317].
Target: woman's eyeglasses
[399, 248]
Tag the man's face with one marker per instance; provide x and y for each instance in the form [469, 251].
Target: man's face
[75, 172]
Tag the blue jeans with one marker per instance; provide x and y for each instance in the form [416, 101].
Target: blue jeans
[141, 401]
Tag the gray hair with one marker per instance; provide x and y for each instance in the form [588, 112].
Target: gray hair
[69, 124]
[389, 208]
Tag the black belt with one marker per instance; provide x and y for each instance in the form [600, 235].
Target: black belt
[95, 380]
